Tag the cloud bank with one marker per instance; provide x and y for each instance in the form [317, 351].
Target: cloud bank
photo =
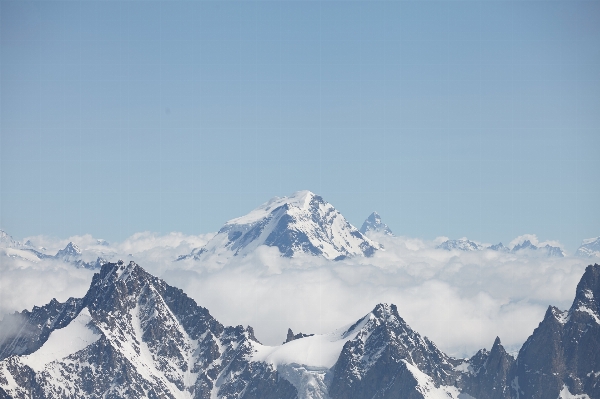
[460, 300]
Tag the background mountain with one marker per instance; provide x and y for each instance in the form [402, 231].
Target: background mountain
[525, 247]
[373, 223]
[132, 335]
[303, 223]
[589, 248]
[462, 244]
[548, 249]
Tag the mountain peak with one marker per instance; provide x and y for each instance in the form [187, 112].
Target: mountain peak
[7, 241]
[525, 244]
[589, 248]
[300, 223]
[374, 223]
[69, 254]
[385, 310]
[299, 199]
[587, 295]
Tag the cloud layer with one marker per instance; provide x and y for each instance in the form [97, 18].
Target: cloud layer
[461, 300]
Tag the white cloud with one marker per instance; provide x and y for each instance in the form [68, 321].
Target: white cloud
[461, 300]
[26, 284]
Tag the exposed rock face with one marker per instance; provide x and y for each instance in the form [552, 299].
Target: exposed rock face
[565, 348]
[377, 362]
[291, 336]
[489, 373]
[25, 332]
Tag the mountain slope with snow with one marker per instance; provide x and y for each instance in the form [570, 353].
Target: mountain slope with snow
[301, 223]
[590, 248]
[132, 335]
[374, 224]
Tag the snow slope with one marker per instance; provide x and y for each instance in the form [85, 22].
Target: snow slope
[301, 223]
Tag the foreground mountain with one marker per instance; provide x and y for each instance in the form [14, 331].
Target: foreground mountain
[301, 223]
[374, 224]
[132, 335]
[563, 353]
[589, 248]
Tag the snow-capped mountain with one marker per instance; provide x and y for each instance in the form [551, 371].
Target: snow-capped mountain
[69, 254]
[589, 248]
[72, 254]
[15, 249]
[373, 223]
[499, 247]
[6, 241]
[132, 335]
[301, 223]
[462, 244]
[548, 249]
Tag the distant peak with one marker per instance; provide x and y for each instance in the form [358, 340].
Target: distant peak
[462, 244]
[586, 241]
[70, 252]
[72, 246]
[374, 223]
[299, 199]
[374, 216]
[300, 223]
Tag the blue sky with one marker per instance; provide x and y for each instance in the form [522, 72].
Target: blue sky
[456, 118]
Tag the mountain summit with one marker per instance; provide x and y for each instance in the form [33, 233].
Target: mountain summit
[301, 223]
[374, 223]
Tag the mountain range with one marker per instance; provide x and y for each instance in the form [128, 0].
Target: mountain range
[300, 224]
[464, 244]
[70, 254]
[132, 335]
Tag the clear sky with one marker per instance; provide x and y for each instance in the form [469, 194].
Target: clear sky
[456, 118]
